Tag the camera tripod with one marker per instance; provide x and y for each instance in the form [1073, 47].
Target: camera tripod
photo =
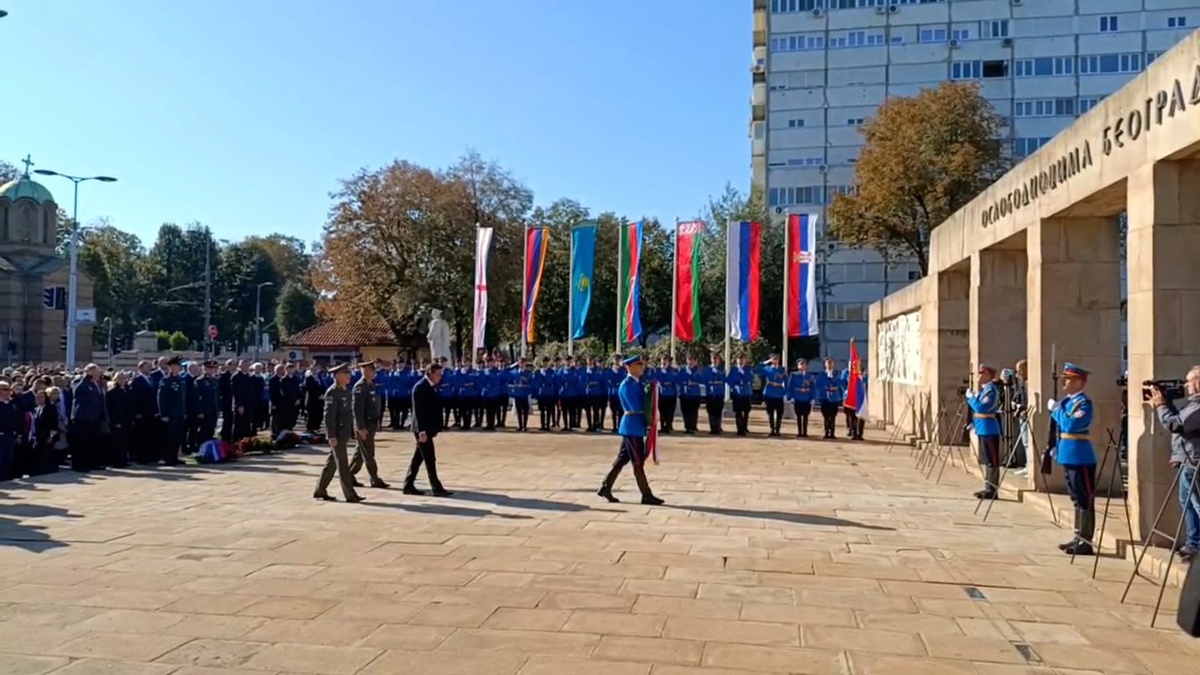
[941, 452]
[1024, 435]
[1113, 444]
[898, 429]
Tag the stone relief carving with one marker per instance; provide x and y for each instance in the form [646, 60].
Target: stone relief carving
[899, 349]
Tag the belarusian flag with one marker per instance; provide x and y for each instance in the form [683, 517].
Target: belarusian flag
[629, 284]
[687, 280]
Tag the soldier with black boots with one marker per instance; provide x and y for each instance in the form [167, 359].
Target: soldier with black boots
[1073, 415]
[985, 405]
[714, 394]
[172, 410]
[741, 392]
[368, 414]
[339, 423]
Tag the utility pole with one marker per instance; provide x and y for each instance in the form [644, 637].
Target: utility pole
[208, 345]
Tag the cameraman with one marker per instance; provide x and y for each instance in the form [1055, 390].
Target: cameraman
[1184, 425]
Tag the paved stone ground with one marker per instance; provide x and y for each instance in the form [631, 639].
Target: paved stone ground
[773, 556]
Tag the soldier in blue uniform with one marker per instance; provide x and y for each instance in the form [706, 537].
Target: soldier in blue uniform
[468, 393]
[403, 382]
[830, 392]
[633, 435]
[614, 376]
[506, 372]
[691, 393]
[985, 405]
[571, 395]
[667, 377]
[801, 391]
[520, 387]
[741, 392]
[447, 389]
[545, 386]
[172, 410]
[714, 394]
[493, 393]
[774, 390]
[1075, 453]
[595, 394]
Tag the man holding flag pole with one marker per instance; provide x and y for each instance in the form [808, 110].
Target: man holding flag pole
[856, 395]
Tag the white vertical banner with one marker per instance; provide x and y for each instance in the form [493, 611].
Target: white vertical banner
[483, 244]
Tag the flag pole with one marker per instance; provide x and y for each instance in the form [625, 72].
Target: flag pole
[571, 296]
[525, 292]
[620, 282]
[674, 283]
[728, 328]
[787, 252]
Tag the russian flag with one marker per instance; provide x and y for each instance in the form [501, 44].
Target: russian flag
[743, 271]
[802, 275]
[856, 388]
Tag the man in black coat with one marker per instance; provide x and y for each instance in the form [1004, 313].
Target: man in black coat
[143, 408]
[427, 422]
[87, 422]
[244, 403]
[225, 392]
[314, 398]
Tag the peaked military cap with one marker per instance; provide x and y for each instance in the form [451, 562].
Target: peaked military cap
[632, 360]
[986, 369]
[1072, 370]
[340, 368]
[366, 364]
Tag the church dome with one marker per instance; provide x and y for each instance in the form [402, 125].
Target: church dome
[25, 187]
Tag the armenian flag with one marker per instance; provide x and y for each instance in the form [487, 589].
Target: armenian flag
[536, 240]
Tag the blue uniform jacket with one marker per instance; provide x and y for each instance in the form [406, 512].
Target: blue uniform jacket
[633, 402]
[470, 384]
[830, 388]
[800, 387]
[385, 383]
[714, 382]
[448, 387]
[985, 405]
[172, 398]
[545, 384]
[615, 376]
[774, 381]
[494, 383]
[668, 381]
[691, 382]
[520, 383]
[570, 383]
[406, 380]
[1074, 418]
[741, 382]
[595, 381]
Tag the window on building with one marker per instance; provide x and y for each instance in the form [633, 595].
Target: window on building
[995, 68]
[854, 311]
[759, 130]
[960, 34]
[1108, 24]
[932, 35]
[913, 275]
[966, 70]
[835, 273]
[788, 6]
[995, 29]
[1024, 147]
[1086, 104]
[1176, 22]
[1110, 63]
[856, 121]
[897, 39]
[1151, 56]
[873, 272]
[1048, 107]
[795, 123]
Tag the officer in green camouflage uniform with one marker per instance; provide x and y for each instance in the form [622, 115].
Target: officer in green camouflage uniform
[368, 412]
[339, 422]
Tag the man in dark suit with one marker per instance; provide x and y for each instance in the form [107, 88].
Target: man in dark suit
[427, 422]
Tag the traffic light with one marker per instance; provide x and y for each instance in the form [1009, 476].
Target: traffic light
[62, 342]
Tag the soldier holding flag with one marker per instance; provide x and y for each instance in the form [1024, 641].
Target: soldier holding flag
[633, 435]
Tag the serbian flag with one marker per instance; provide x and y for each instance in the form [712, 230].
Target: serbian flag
[743, 271]
[652, 425]
[483, 245]
[687, 280]
[856, 387]
[536, 239]
[802, 275]
[629, 284]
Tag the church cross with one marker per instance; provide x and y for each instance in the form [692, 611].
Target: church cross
[28, 162]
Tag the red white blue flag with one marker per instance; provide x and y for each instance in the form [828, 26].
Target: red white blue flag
[743, 271]
[856, 386]
[536, 239]
[802, 275]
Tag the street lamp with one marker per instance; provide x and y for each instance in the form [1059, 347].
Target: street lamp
[258, 316]
[73, 252]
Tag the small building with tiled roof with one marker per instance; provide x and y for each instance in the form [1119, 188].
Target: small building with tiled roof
[341, 341]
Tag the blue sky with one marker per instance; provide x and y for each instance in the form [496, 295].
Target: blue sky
[243, 115]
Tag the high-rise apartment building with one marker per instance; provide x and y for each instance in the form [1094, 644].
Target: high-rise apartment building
[822, 67]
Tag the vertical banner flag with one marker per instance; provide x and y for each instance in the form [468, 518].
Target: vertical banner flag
[483, 244]
[583, 263]
[687, 280]
[629, 284]
[856, 388]
[536, 239]
[743, 271]
[802, 275]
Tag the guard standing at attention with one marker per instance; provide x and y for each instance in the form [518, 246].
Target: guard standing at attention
[339, 423]
[368, 413]
[691, 386]
[714, 394]
[615, 376]
[830, 392]
[741, 391]
[597, 394]
[520, 386]
[667, 377]
[800, 391]
[1073, 414]
[468, 393]
[206, 394]
[172, 410]
[774, 388]
[633, 435]
[545, 386]
[984, 407]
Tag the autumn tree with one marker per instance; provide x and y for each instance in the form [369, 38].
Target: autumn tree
[924, 158]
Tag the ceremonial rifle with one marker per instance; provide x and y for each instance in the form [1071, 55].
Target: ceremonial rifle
[1047, 466]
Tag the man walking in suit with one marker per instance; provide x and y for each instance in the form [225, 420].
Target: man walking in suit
[339, 422]
[633, 435]
[426, 423]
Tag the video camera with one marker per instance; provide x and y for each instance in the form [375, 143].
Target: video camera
[1172, 390]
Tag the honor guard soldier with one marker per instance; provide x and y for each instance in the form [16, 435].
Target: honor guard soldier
[571, 394]
[520, 386]
[830, 392]
[404, 380]
[633, 435]
[691, 393]
[985, 406]
[741, 392]
[1073, 414]
[667, 377]
[774, 389]
[714, 394]
[447, 389]
[801, 391]
[596, 392]
[468, 393]
[493, 394]
[172, 410]
[545, 387]
[339, 423]
[614, 377]
[368, 415]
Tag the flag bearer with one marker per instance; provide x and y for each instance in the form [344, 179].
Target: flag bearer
[596, 393]
[520, 386]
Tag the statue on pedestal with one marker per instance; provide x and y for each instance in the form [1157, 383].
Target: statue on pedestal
[438, 336]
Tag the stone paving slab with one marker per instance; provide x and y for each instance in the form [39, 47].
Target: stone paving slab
[772, 556]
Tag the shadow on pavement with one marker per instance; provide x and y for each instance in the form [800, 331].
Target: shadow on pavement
[444, 510]
[529, 503]
[781, 516]
[16, 532]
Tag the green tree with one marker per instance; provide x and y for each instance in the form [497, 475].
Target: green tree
[295, 310]
[177, 342]
[8, 172]
[924, 158]
[288, 255]
[111, 258]
[240, 268]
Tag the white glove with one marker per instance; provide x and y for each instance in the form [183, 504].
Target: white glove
[1051, 405]
[970, 394]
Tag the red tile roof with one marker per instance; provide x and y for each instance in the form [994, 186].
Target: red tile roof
[343, 333]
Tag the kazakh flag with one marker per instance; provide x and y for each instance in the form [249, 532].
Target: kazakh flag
[583, 263]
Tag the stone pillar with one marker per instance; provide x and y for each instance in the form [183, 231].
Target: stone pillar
[945, 339]
[1073, 293]
[1163, 320]
[998, 307]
